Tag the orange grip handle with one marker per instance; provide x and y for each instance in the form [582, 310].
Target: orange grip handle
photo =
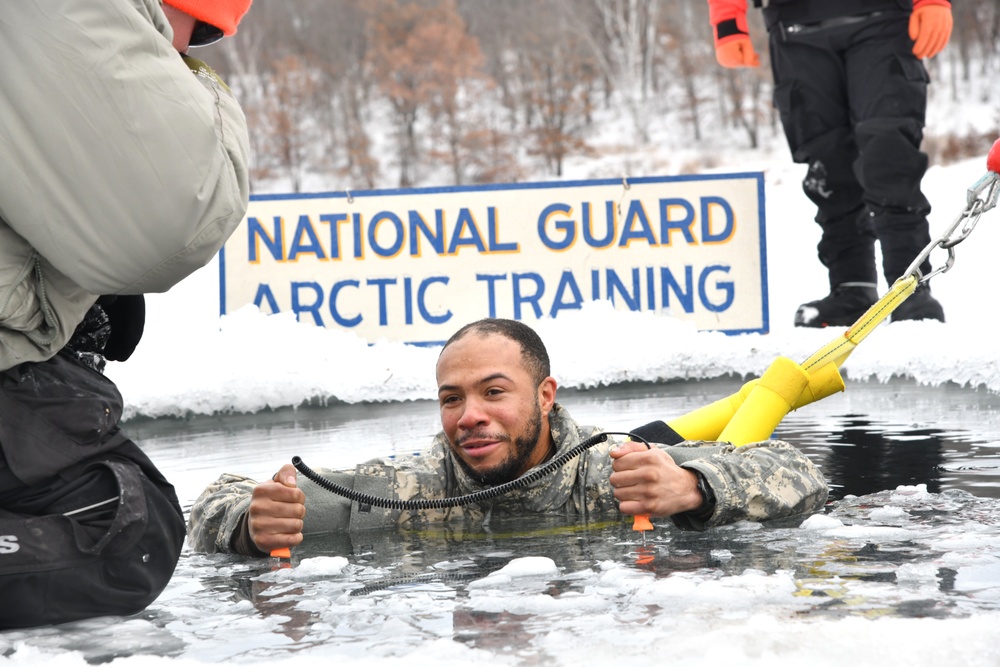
[641, 522]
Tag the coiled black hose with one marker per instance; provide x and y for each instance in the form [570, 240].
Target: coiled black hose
[468, 499]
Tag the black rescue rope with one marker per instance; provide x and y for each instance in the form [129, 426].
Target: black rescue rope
[468, 499]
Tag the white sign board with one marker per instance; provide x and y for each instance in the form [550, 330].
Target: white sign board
[414, 265]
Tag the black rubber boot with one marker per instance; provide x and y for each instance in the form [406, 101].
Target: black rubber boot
[919, 306]
[841, 308]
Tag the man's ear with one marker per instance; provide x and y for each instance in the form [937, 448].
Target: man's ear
[547, 395]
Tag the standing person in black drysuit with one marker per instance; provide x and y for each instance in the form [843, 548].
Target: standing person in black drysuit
[851, 90]
[123, 168]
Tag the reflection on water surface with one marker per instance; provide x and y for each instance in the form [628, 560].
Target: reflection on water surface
[912, 532]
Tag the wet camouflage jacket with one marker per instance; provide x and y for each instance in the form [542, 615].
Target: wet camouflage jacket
[766, 480]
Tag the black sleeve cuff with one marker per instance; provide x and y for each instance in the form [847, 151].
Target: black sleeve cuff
[727, 28]
[696, 519]
[241, 543]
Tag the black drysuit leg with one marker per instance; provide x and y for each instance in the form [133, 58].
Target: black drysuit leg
[852, 101]
[88, 525]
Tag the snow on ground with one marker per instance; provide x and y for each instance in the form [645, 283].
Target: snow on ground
[191, 363]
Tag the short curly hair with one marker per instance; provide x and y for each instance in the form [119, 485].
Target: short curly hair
[533, 352]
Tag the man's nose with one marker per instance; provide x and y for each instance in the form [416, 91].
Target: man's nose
[473, 415]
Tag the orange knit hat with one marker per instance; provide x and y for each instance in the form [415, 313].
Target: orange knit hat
[223, 14]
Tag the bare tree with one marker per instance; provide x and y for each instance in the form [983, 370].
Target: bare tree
[685, 47]
[625, 52]
[477, 89]
[290, 120]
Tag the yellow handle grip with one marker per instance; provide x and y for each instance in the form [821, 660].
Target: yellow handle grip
[774, 396]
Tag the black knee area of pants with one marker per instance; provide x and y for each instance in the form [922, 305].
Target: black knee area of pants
[88, 525]
[829, 182]
[891, 165]
[112, 559]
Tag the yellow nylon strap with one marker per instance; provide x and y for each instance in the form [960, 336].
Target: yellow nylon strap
[822, 378]
[837, 350]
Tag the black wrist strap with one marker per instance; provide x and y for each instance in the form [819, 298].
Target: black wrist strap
[241, 543]
[707, 509]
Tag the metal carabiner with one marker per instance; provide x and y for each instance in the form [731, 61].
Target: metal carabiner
[950, 262]
[971, 216]
[981, 197]
[990, 180]
[944, 241]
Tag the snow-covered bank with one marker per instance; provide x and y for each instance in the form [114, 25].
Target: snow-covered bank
[190, 362]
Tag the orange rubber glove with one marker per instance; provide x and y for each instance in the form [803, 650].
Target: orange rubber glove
[737, 51]
[930, 29]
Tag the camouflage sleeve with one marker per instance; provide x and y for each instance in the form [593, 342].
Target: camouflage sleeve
[216, 513]
[756, 482]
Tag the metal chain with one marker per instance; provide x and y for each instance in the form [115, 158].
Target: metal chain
[981, 197]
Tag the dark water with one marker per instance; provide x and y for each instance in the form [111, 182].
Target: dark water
[912, 533]
[872, 437]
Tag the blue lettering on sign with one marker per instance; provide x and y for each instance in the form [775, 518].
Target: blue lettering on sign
[574, 300]
[491, 296]
[636, 225]
[256, 232]
[610, 226]
[302, 304]
[397, 227]
[521, 293]
[725, 286]
[419, 228]
[662, 288]
[334, 220]
[263, 294]
[385, 233]
[668, 224]
[728, 228]
[528, 289]
[307, 298]
[557, 228]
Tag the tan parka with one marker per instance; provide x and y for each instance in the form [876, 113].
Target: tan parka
[122, 169]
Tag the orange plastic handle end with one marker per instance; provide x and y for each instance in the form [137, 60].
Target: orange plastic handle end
[641, 522]
[281, 553]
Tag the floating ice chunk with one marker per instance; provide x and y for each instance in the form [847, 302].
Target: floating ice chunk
[872, 533]
[888, 513]
[905, 492]
[529, 566]
[309, 568]
[492, 580]
[730, 592]
[322, 565]
[835, 528]
[978, 577]
[917, 573]
[519, 568]
[821, 522]
[620, 578]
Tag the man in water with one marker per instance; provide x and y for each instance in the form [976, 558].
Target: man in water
[500, 420]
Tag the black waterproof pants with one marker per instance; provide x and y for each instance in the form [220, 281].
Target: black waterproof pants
[88, 525]
[852, 99]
